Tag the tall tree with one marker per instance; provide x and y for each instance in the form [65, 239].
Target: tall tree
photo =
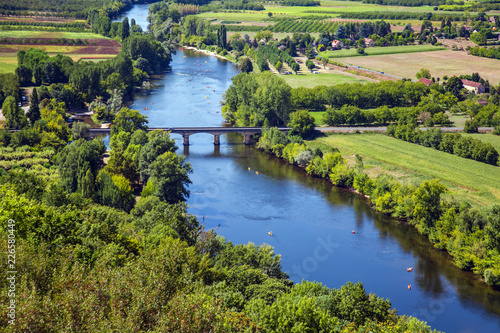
[34, 110]
[125, 29]
[14, 115]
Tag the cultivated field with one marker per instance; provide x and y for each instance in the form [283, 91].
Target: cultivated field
[439, 63]
[373, 51]
[49, 34]
[469, 180]
[8, 63]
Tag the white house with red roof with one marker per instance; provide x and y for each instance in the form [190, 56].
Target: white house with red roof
[475, 87]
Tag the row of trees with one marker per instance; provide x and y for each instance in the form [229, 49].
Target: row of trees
[452, 143]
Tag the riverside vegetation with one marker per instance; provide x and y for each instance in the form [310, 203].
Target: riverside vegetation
[469, 234]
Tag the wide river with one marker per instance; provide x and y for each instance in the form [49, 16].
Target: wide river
[245, 194]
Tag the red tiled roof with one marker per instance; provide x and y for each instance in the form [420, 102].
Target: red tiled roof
[471, 83]
[425, 81]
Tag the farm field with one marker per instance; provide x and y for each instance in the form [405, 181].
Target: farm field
[476, 182]
[439, 63]
[49, 34]
[345, 6]
[372, 51]
[8, 63]
[309, 80]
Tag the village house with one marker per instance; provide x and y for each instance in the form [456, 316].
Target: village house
[425, 81]
[337, 44]
[369, 42]
[475, 87]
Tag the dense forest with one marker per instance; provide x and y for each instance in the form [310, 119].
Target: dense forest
[65, 8]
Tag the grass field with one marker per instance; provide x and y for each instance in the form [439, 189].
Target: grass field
[439, 63]
[8, 63]
[308, 80]
[45, 34]
[373, 51]
[469, 180]
[318, 117]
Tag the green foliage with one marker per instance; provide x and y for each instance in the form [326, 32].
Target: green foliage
[74, 161]
[128, 120]
[301, 122]
[252, 98]
[169, 173]
[80, 130]
[14, 115]
[158, 144]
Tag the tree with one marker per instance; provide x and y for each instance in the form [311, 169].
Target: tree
[279, 66]
[310, 64]
[324, 61]
[34, 110]
[340, 32]
[265, 34]
[159, 143]
[76, 159]
[454, 85]
[427, 204]
[129, 120]
[246, 65]
[301, 122]
[169, 173]
[423, 73]
[24, 75]
[80, 130]
[125, 29]
[295, 67]
[14, 115]
[360, 50]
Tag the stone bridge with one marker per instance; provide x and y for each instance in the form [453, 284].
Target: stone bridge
[186, 132]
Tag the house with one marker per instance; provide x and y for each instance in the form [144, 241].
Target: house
[492, 19]
[369, 42]
[425, 81]
[337, 44]
[482, 102]
[475, 87]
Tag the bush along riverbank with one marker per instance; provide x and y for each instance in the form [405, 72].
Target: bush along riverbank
[470, 236]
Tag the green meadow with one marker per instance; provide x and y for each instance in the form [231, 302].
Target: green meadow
[381, 51]
[476, 182]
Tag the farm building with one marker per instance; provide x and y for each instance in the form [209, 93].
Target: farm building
[425, 81]
[475, 87]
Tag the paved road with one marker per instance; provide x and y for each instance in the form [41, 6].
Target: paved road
[384, 129]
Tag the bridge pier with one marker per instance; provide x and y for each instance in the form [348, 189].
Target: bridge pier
[217, 139]
[185, 138]
[246, 138]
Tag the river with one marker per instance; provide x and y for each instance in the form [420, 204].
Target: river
[244, 194]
